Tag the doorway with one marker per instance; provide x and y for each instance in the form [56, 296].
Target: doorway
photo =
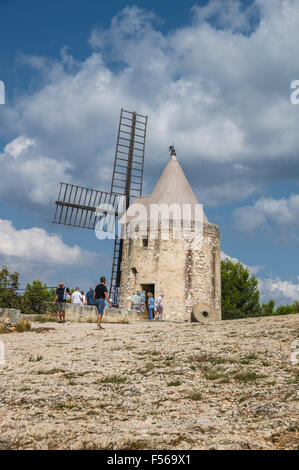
[148, 288]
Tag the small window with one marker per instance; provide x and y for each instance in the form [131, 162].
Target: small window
[145, 242]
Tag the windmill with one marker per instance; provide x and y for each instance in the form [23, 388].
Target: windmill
[77, 206]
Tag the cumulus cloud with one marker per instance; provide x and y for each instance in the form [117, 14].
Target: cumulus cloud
[18, 145]
[279, 217]
[230, 15]
[218, 88]
[279, 290]
[38, 254]
[36, 244]
[29, 178]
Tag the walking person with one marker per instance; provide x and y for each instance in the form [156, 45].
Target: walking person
[150, 306]
[76, 297]
[159, 307]
[89, 296]
[61, 298]
[100, 294]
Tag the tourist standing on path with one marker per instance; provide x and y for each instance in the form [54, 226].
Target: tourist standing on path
[150, 306]
[76, 297]
[100, 294]
[159, 306]
[61, 297]
[90, 297]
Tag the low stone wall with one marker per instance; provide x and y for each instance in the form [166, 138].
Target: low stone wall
[11, 313]
[117, 315]
[88, 314]
[80, 313]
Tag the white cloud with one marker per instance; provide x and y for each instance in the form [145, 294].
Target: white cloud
[38, 254]
[228, 15]
[18, 145]
[36, 245]
[218, 88]
[279, 217]
[27, 176]
[279, 290]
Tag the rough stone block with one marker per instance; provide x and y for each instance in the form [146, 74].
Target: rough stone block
[11, 313]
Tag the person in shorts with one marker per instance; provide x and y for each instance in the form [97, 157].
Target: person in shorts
[100, 294]
[61, 298]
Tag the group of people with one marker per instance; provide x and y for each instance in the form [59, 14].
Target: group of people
[155, 314]
[98, 296]
[141, 302]
[77, 297]
[95, 297]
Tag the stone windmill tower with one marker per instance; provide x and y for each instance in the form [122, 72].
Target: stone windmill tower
[188, 275]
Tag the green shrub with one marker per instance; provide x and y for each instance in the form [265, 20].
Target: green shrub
[37, 299]
[240, 294]
[9, 284]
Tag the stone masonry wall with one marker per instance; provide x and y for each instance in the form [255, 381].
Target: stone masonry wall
[184, 276]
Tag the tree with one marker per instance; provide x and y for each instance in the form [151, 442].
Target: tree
[37, 298]
[286, 310]
[9, 284]
[268, 308]
[240, 295]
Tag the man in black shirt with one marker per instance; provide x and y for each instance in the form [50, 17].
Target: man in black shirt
[61, 296]
[100, 294]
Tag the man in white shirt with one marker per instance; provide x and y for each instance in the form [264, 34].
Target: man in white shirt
[77, 297]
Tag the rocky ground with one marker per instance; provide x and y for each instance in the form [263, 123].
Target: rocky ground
[227, 385]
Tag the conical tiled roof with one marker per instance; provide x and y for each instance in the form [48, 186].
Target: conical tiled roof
[171, 188]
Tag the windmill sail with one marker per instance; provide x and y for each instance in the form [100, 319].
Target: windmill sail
[77, 206]
[127, 176]
[94, 209]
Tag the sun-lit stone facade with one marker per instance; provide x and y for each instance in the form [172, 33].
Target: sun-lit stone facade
[188, 276]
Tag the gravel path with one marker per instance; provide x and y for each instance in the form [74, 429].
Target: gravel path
[227, 385]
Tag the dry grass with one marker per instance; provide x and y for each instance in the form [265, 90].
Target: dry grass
[20, 327]
[23, 325]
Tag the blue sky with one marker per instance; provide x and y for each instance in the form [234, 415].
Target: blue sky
[214, 78]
